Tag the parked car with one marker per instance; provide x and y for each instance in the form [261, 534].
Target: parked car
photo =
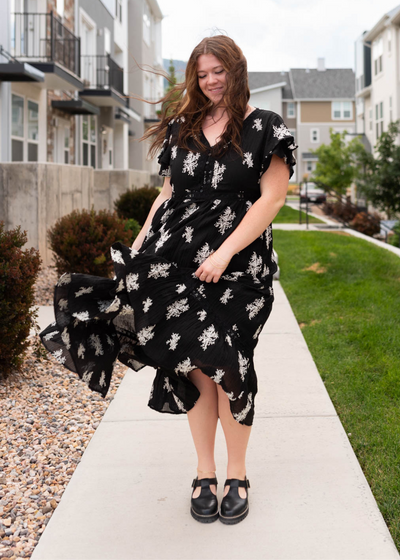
[314, 194]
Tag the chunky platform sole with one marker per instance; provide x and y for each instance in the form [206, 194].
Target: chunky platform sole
[204, 518]
[234, 520]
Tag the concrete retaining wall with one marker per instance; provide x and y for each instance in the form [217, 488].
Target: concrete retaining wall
[36, 195]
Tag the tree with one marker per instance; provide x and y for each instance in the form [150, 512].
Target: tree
[339, 164]
[380, 182]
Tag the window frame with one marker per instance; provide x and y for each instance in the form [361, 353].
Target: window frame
[291, 106]
[316, 130]
[341, 110]
[25, 127]
[89, 142]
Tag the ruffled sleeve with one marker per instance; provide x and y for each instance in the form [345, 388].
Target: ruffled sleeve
[164, 158]
[280, 141]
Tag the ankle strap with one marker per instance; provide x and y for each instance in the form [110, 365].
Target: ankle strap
[203, 482]
[235, 483]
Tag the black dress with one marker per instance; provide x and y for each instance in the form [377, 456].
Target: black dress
[156, 311]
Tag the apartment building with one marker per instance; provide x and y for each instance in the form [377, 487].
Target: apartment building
[377, 77]
[65, 80]
[311, 101]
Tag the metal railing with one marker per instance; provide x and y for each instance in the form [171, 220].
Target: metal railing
[43, 37]
[100, 71]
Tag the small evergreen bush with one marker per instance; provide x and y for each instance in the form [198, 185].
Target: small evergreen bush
[136, 203]
[81, 241]
[18, 272]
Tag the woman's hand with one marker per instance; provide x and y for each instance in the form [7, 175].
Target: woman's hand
[212, 268]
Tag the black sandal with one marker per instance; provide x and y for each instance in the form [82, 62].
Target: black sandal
[234, 508]
[204, 508]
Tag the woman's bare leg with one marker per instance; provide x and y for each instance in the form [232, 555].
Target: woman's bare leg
[203, 419]
[237, 437]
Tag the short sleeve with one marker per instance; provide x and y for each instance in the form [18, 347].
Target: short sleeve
[280, 141]
[164, 157]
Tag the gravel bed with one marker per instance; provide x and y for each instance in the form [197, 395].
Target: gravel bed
[44, 287]
[47, 418]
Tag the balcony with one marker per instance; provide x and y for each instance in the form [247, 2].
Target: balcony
[103, 81]
[46, 44]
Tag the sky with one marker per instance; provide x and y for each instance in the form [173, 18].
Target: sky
[274, 35]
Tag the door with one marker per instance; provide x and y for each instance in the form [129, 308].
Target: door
[107, 148]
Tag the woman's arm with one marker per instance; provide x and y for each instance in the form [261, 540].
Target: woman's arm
[165, 194]
[273, 186]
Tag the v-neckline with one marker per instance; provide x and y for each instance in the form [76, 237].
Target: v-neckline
[244, 120]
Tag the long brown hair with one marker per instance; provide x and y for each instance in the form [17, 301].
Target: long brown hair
[187, 100]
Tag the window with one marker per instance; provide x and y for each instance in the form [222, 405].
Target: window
[290, 110]
[89, 140]
[379, 119]
[314, 135]
[24, 129]
[342, 110]
[107, 41]
[309, 166]
[66, 144]
[118, 10]
[377, 53]
[146, 23]
[370, 120]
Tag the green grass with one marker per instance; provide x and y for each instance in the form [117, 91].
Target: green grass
[288, 215]
[350, 319]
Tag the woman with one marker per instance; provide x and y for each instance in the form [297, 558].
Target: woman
[191, 296]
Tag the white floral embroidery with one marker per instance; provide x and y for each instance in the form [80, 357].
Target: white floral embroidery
[226, 296]
[233, 276]
[248, 159]
[63, 304]
[95, 343]
[268, 236]
[243, 366]
[81, 315]
[249, 204]
[257, 124]
[110, 341]
[185, 367]
[164, 236]
[225, 220]
[190, 163]
[219, 373]
[120, 286]
[133, 252]
[132, 281]
[265, 271]
[255, 264]
[117, 256]
[281, 131]
[149, 233]
[188, 234]
[173, 341]
[87, 376]
[240, 416]
[228, 340]
[167, 214]
[50, 335]
[202, 254]
[159, 270]
[273, 257]
[169, 388]
[189, 211]
[83, 290]
[177, 308]
[145, 334]
[201, 290]
[208, 337]
[66, 339]
[174, 150]
[166, 172]
[217, 174]
[107, 307]
[202, 314]
[81, 351]
[215, 204]
[59, 356]
[254, 307]
[65, 279]
[257, 333]
[230, 396]
[126, 310]
[147, 303]
[180, 288]
[102, 380]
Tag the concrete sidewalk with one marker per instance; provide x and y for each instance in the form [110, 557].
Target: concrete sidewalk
[129, 496]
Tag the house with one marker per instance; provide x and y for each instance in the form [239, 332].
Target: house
[310, 101]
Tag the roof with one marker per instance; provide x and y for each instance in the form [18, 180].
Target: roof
[326, 84]
[382, 23]
[263, 79]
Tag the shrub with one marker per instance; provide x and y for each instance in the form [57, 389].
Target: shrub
[363, 223]
[81, 241]
[328, 208]
[136, 203]
[18, 272]
[345, 212]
